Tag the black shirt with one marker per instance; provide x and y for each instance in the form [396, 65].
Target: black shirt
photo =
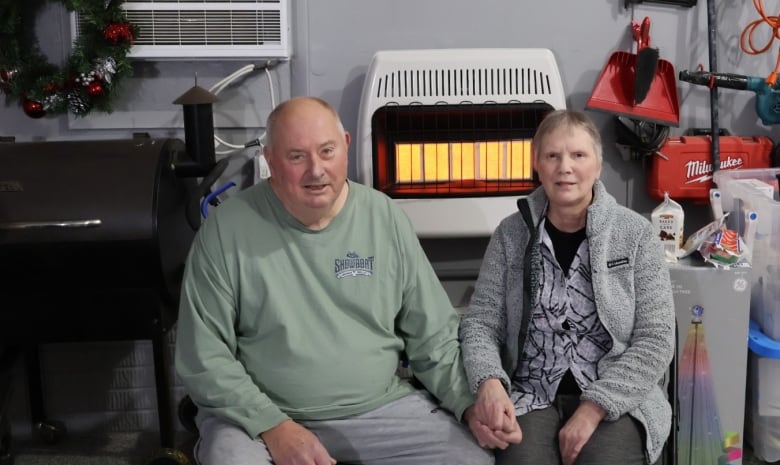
[565, 246]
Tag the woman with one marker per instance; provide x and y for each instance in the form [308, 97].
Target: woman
[570, 329]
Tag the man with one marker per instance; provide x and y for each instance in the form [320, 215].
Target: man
[299, 296]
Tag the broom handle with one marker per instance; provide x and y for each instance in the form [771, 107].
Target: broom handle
[712, 29]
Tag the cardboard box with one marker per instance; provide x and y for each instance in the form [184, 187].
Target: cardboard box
[711, 305]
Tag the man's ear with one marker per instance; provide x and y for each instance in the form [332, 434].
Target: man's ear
[347, 137]
[267, 155]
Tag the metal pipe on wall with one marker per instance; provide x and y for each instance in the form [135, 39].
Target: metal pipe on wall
[712, 28]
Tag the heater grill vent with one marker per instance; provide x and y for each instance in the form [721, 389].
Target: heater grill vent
[444, 132]
[464, 82]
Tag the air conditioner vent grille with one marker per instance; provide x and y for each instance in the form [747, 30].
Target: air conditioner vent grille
[206, 29]
[203, 2]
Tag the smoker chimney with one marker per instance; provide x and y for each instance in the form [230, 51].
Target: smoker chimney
[198, 132]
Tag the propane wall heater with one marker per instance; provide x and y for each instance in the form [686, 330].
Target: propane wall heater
[447, 132]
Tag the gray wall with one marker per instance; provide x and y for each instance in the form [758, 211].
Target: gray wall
[334, 41]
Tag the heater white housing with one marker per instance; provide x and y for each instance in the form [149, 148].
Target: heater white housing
[203, 30]
[454, 76]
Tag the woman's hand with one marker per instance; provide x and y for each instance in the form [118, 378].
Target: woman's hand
[492, 417]
[578, 430]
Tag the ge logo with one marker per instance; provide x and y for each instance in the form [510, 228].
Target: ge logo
[740, 284]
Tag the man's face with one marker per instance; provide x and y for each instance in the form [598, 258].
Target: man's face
[308, 161]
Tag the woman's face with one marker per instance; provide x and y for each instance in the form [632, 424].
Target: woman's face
[567, 166]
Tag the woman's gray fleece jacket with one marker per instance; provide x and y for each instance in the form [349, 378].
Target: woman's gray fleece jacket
[633, 297]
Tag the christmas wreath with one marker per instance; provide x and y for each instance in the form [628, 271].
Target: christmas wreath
[89, 78]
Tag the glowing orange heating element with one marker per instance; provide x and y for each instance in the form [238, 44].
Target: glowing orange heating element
[506, 160]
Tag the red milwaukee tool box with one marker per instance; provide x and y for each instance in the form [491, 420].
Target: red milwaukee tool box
[683, 165]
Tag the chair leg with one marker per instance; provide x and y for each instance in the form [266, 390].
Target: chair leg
[187, 411]
[162, 387]
[671, 444]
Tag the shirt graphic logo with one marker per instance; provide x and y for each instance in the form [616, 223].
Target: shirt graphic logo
[353, 266]
[617, 262]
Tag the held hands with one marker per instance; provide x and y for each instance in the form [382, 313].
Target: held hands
[578, 430]
[492, 417]
[291, 444]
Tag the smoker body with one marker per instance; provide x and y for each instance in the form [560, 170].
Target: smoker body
[93, 239]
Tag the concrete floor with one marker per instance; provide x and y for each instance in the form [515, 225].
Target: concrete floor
[139, 449]
[113, 449]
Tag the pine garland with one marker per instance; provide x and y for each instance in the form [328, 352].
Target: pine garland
[90, 76]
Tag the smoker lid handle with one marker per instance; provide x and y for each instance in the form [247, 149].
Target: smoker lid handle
[51, 224]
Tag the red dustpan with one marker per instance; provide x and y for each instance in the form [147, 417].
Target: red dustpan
[614, 91]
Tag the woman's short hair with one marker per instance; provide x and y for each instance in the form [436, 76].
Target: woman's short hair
[567, 119]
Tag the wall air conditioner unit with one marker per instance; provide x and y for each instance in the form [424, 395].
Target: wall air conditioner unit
[212, 29]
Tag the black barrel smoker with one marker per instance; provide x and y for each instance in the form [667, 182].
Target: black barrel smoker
[93, 239]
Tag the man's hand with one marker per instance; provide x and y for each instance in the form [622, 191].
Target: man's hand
[578, 430]
[291, 444]
[492, 417]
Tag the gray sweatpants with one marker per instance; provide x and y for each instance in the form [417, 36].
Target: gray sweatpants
[409, 431]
